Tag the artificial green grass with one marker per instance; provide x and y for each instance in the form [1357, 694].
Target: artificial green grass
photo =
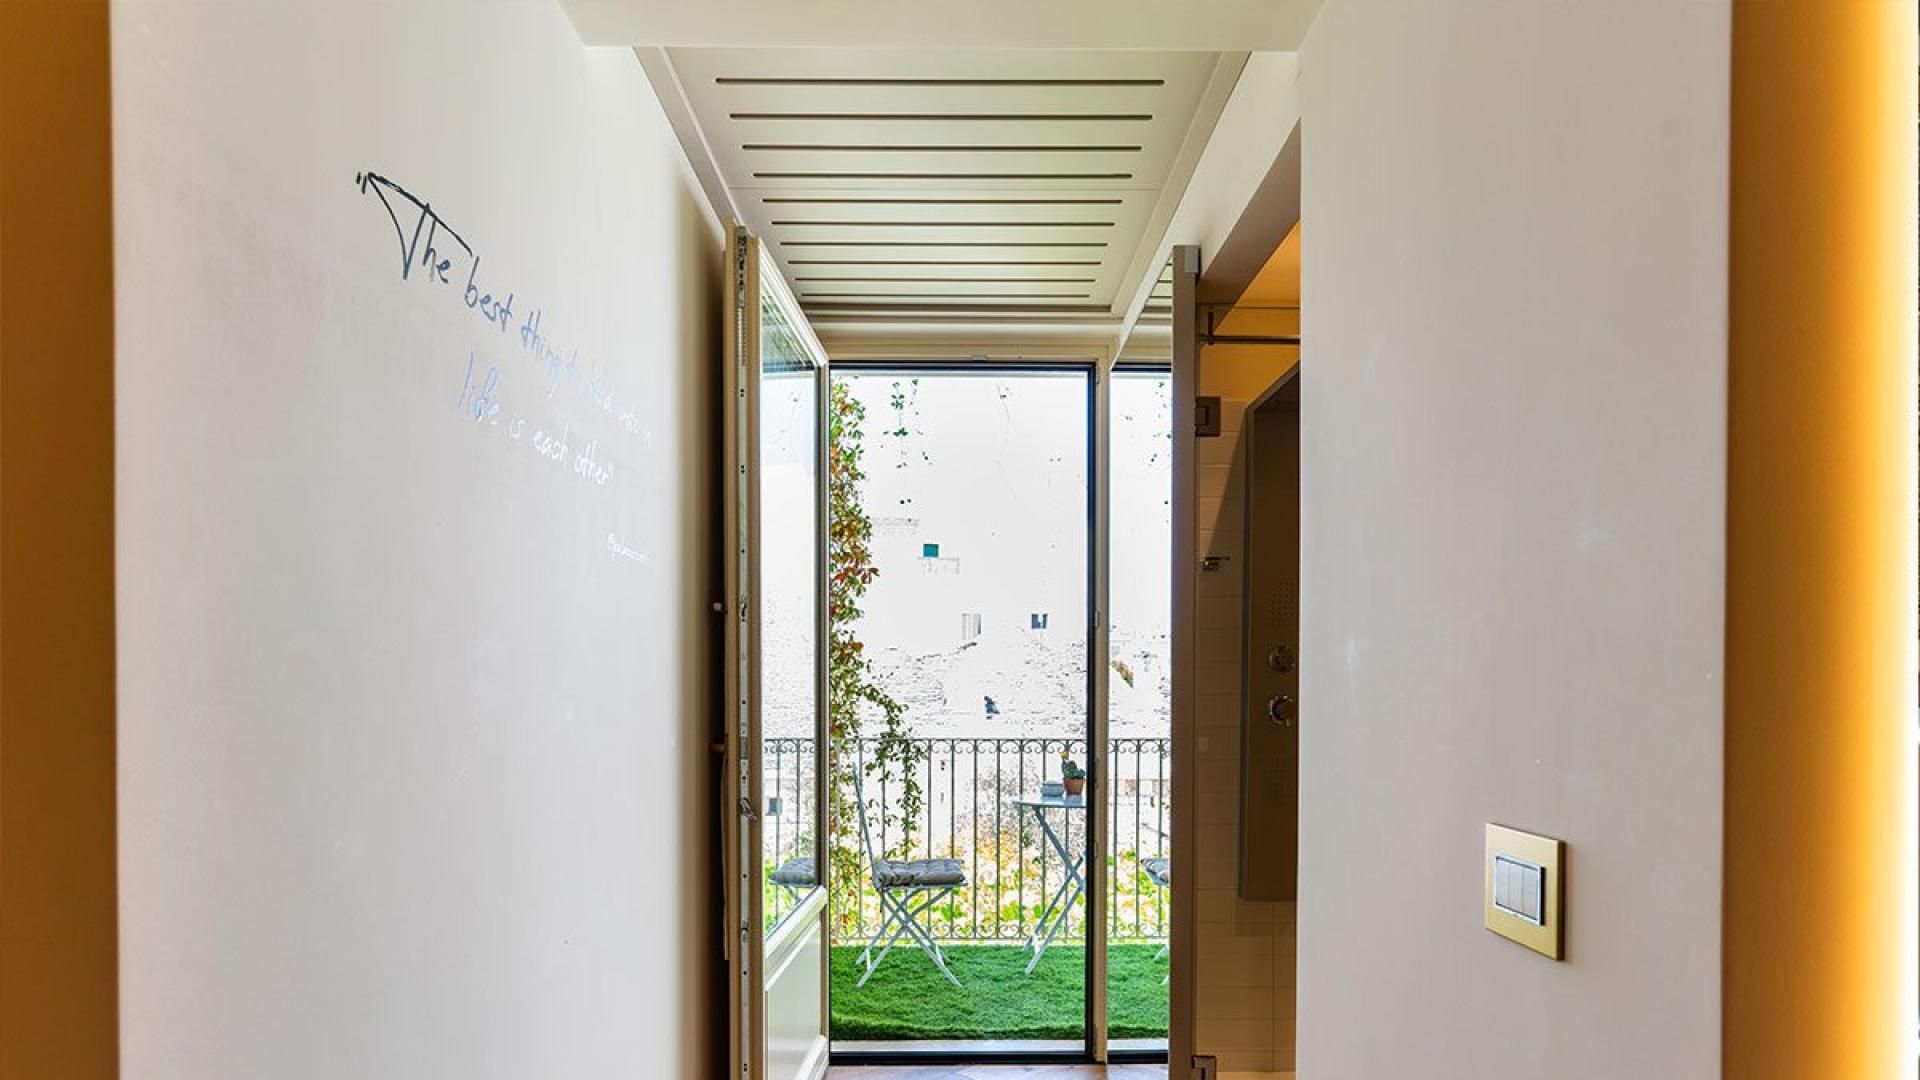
[908, 998]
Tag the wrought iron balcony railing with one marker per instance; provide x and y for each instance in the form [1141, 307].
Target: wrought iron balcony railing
[966, 810]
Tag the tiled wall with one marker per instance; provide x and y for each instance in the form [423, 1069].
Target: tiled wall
[1245, 997]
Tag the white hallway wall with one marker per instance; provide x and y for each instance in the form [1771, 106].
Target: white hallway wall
[413, 767]
[1514, 302]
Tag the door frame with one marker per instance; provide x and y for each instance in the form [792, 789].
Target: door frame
[1097, 371]
[1181, 1007]
[744, 944]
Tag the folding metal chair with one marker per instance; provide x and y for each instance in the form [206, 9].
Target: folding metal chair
[907, 889]
[795, 877]
[1159, 870]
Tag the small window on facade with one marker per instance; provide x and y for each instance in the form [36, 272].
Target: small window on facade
[929, 551]
[1038, 620]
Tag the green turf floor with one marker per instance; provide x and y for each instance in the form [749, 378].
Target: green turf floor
[909, 999]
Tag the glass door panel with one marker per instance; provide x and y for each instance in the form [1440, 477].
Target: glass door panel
[790, 571]
[1138, 777]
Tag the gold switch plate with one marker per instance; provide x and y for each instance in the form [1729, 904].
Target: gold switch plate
[1522, 852]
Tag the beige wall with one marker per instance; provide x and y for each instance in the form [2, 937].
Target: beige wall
[415, 721]
[1514, 477]
[1244, 1002]
[58, 993]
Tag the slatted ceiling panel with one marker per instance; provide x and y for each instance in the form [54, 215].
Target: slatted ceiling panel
[811, 276]
[904, 266]
[933, 290]
[1122, 212]
[869, 310]
[946, 179]
[971, 247]
[975, 104]
[930, 227]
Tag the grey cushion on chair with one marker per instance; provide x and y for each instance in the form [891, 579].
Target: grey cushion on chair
[795, 873]
[889, 874]
[1159, 871]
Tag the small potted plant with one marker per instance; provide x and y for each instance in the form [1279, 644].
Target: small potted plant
[1072, 776]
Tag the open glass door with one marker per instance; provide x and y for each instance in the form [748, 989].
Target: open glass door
[775, 374]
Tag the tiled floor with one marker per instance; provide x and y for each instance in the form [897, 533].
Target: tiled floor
[999, 1073]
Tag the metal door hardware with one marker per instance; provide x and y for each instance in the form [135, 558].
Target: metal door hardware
[1280, 709]
[1209, 336]
[1206, 417]
[1280, 659]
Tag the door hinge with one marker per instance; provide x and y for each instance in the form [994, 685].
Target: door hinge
[1206, 417]
[740, 270]
[1205, 1067]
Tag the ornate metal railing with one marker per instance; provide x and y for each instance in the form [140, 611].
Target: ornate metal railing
[967, 811]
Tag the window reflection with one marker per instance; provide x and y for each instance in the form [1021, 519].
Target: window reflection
[789, 606]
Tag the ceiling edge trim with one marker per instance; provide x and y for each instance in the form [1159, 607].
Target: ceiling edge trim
[1206, 117]
[672, 96]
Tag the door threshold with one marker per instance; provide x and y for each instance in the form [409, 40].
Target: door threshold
[960, 1052]
[989, 1052]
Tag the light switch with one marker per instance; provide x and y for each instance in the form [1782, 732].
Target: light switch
[1523, 880]
[1517, 889]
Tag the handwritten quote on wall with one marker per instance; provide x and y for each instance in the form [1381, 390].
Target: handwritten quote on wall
[433, 252]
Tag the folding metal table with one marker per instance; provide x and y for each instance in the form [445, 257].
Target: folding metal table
[1060, 905]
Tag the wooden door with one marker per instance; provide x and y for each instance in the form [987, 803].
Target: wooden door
[1270, 728]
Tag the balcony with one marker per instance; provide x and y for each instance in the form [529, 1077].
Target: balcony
[961, 804]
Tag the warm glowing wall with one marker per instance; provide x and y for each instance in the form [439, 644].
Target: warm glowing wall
[1820, 531]
[57, 952]
[1243, 1008]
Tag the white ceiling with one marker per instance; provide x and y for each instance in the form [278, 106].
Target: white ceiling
[1212, 25]
[985, 185]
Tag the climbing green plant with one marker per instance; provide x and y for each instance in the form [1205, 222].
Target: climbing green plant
[853, 691]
